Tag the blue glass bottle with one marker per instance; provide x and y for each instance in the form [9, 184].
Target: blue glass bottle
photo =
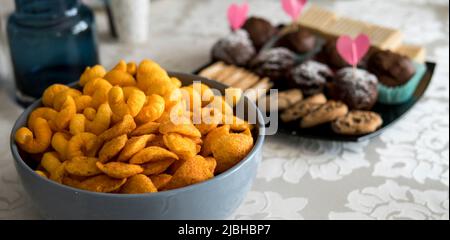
[51, 41]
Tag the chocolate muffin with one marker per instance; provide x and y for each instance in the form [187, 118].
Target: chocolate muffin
[311, 77]
[275, 63]
[392, 69]
[356, 87]
[260, 31]
[235, 49]
[330, 56]
[300, 41]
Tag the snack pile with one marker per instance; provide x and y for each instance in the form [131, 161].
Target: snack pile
[131, 130]
[318, 84]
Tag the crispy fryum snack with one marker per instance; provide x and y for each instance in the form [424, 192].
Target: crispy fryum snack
[134, 130]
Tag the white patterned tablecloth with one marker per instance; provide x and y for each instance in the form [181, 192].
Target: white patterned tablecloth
[403, 174]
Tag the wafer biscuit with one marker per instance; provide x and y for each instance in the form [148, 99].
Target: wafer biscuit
[247, 82]
[259, 90]
[384, 38]
[239, 75]
[417, 53]
[345, 26]
[316, 18]
[212, 71]
[228, 72]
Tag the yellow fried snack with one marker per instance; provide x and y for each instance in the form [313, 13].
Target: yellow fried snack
[102, 183]
[82, 166]
[212, 163]
[59, 173]
[82, 102]
[126, 101]
[173, 97]
[229, 149]
[36, 140]
[148, 128]
[238, 125]
[212, 136]
[71, 182]
[153, 109]
[119, 169]
[185, 128]
[152, 154]
[90, 113]
[92, 73]
[83, 144]
[41, 173]
[138, 184]
[60, 140]
[100, 121]
[182, 146]
[50, 93]
[192, 171]
[61, 97]
[160, 181]
[157, 142]
[119, 76]
[50, 162]
[77, 124]
[233, 96]
[206, 94]
[66, 113]
[176, 82]
[132, 68]
[112, 148]
[210, 119]
[192, 98]
[222, 105]
[134, 130]
[98, 89]
[126, 126]
[158, 167]
[134, 145]
[153, 79]
[43, 112]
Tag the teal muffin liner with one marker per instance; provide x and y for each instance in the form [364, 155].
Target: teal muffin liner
[401, 94]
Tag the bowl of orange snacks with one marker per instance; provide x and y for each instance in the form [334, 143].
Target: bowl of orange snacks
[137, 142]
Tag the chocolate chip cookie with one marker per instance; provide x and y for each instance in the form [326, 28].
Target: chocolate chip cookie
[303, 108]
[357, 123]
[328, 112]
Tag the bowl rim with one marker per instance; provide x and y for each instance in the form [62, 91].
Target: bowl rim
[257, 146]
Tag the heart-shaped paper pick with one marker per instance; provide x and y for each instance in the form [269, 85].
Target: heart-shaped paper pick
[293, 8]
[353, 50]
[237, 15]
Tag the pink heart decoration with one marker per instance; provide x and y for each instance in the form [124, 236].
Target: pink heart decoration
[353, 50]
[293, 8]
[237, 15]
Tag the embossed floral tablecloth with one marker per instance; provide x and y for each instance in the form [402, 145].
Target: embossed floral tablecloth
[403, 174]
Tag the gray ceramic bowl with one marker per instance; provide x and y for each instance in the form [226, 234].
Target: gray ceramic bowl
[217, 198]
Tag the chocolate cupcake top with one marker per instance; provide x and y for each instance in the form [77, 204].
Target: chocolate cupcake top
[331, 56]
[300, 41]
[235, 49]
[274, 63]
[392, 69]
[356, 87]
[310, 77]
[260, 31]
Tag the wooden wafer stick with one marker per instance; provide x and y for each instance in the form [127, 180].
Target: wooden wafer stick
[212, 71]
[259, 90]
[237, 76]
[226, 73]
[247, 82]
[417, 53]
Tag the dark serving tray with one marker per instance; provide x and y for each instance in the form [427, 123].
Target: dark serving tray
[390, 114]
